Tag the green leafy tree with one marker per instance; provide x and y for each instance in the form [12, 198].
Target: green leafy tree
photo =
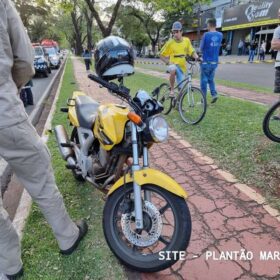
[148, 15]
[32, 8]
[130, 29]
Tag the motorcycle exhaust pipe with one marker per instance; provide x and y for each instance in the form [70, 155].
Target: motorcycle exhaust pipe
[62, 141]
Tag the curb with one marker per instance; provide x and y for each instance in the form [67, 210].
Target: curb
[224, 62]
[25, 203]
[227, 176]
[5, 170]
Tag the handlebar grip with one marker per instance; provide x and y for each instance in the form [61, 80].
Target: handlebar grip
[111, 86]
[100, 81]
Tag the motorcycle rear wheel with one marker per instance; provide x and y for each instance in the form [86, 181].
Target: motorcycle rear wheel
[74, 138]
[140, 257]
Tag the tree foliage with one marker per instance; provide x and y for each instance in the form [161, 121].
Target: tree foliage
[84, 22]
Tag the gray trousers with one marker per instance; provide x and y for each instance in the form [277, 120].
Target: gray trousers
[29, 158]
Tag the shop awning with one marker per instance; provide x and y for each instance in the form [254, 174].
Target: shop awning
[266, 31]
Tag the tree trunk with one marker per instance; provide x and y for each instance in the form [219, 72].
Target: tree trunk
[106, 31]
[153, 48]
[78, 34]
[89, 17]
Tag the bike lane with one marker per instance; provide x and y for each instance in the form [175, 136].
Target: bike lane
[235, 234]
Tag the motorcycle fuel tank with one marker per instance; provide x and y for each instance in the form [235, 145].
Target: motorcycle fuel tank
[110, 125]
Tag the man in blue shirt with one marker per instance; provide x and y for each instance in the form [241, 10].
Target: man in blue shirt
[209, 47]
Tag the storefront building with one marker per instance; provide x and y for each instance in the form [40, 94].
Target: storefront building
[252, 21]
[202, 13]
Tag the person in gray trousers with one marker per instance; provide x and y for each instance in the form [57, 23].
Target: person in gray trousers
[23, 149]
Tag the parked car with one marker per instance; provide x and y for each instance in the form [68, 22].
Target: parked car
[41, 61]
[54, 57]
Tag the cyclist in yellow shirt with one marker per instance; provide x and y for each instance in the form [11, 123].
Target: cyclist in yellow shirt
[173, 54]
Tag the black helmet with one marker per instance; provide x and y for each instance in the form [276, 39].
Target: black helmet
[113, 58]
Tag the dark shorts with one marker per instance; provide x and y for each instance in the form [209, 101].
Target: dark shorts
[277, 80]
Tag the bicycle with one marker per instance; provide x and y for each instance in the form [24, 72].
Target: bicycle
[271, 123]
[190, 100]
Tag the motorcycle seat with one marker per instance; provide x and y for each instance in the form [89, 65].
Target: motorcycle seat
[86, 109]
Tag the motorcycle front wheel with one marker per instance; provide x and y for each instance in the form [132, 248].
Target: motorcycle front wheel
[167, 228]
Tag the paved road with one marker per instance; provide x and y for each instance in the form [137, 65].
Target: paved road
[255, 74]
[39, 86]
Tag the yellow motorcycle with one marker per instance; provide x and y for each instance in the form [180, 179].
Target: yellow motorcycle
[146, 220]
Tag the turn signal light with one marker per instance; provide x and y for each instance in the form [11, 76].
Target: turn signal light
[134, 118]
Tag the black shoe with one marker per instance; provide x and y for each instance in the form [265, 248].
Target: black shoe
[15, 276]
[214, 99]
[83, 228]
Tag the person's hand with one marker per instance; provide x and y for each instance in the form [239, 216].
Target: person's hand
[199, 59]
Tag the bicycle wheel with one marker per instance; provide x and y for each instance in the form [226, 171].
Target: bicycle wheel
[162, 96]
[271, 123]
[192, 106]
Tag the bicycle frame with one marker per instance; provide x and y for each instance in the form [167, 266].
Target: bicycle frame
[187, 83]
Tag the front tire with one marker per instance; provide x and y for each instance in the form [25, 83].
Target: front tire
[127, 252]
[271, 123]
[192, 106]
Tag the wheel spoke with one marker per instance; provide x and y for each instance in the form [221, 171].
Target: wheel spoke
[134, 248]
[163, 240]
[164, 208]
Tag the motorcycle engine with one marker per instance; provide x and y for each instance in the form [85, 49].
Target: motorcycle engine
[99, 162]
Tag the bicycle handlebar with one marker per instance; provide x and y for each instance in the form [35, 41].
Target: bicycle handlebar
[192, 60]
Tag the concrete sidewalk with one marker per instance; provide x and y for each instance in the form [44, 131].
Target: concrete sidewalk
[261, 98]
[227, 216]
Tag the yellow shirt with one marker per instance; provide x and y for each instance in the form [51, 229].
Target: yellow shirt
[173, 48]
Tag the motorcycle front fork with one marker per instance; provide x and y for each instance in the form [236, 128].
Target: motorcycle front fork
[136, 188]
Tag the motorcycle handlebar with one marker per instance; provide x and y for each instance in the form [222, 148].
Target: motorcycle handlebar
[122, 91]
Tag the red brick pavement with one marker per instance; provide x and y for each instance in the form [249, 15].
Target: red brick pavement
[262, 98]
[224, 219]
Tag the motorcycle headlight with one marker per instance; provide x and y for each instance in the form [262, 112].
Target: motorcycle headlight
[40, 60]
[158, 128]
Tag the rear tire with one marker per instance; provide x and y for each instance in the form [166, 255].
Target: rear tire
[266, 123]
[162, 96]
[74, 138]
[147, 262]
[46, 73]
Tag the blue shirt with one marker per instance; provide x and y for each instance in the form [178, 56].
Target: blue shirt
[210, 46]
